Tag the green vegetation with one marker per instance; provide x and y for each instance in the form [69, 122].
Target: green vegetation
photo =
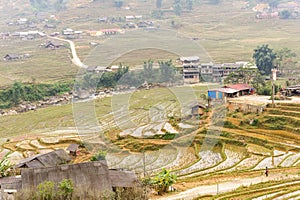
[5, 165]
[163, 181]
[66, 189]
[100, 155]
[45, 190]
[46, 5]
[19, 92]
[264, 59]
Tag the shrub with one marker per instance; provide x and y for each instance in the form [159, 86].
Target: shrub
[66, 189]
[46, 190]
[100, 155]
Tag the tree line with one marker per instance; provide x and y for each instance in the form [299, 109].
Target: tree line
[20, 92]
[267, 58]
[165, 73]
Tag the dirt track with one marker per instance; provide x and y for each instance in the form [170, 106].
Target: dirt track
[213, 189]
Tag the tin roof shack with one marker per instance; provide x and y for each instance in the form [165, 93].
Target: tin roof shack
[53, 158]
[72, 149]
[244, 89]
[198, 109]
[190, 69]
[292, 90]
[53, 45]
[11, 57]
[222, 93]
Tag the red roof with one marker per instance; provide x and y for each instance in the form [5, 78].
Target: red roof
[239, 86]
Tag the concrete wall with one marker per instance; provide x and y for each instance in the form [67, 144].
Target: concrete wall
[232, 106]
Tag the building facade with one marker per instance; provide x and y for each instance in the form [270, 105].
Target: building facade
[190, 69]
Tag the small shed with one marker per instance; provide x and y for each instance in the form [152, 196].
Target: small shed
[198, 109]
[72, 149]
[53, 158]
[11, 57]
[293, 90]
[243, 89]
[53, 45]
[221, 93]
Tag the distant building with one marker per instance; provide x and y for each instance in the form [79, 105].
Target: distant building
[72, 149]
[53, 45]
[190, 69]
[106, 32]
[68, 31]
[230, 91]
[267, 15]
[50, 26]
[22, 21]
[211, 72]
[102, 20]
[198, 109]
[11, 57]
[206, 71]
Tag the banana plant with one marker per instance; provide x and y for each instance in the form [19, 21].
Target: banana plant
[5, 165]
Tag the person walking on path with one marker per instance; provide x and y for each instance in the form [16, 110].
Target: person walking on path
[267, 172]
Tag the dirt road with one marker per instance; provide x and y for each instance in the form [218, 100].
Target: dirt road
[224, 187]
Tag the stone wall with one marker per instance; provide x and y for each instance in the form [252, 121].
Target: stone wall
[91, 175]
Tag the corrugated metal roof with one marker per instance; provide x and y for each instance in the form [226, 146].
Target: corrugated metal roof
[225, 90]
[53, 158]
[239, 87]
[190, 58]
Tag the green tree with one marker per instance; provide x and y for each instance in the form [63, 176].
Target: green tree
[167, 71]
[285, 14]
[264, 59]
[214, 2]
[119, 3]
[16, 93]
[285, 58]
[177, 7]
[148, 69]
[158, 3]
[258, 82]
[189, 4]
[163, 180]
[273, 3]
[242, 75]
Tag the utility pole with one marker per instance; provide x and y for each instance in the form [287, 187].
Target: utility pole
[273, 93]
[274, 77]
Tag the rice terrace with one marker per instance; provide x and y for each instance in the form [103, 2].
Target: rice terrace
[152, 99]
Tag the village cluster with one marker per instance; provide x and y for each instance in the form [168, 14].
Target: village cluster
[282, 10]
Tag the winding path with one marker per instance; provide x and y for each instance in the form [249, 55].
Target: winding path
[75, 59]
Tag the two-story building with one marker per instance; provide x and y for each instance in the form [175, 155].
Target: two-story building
[190, 69]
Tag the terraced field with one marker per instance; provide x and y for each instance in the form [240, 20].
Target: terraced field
[150, 136]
